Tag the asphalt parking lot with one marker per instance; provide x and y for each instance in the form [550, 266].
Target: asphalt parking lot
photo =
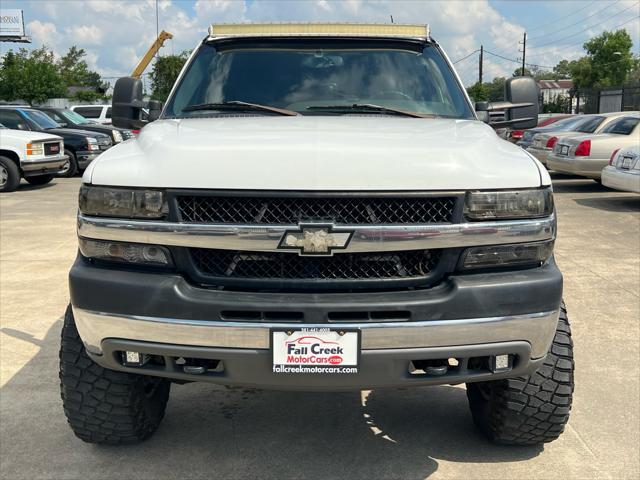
[213, 432]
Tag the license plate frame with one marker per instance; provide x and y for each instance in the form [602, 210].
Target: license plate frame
[321, 343]
[564, 149]
[626, 163]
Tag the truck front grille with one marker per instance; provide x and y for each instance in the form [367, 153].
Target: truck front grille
[276, 266]
[379, 210]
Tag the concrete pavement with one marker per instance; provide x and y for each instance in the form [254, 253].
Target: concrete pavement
[213, 432]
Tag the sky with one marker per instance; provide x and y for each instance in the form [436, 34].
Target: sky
[117, 33]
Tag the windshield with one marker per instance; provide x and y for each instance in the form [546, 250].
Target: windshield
[302, 77]
[622, 126]
[565, 123]
[41, 120]
[587, 124]
[74, 117]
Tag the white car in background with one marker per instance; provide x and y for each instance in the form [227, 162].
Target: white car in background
[34, 156]
[586, 155]
[97, 113]
[542, 143]
[623, 171]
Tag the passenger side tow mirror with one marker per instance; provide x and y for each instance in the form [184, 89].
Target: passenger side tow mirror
[520, 106]
[127, 104]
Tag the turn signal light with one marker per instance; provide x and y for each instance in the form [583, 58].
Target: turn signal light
[584, 149]
[613, 156]
[551, 142]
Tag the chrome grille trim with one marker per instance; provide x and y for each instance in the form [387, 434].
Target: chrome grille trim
[366, 238]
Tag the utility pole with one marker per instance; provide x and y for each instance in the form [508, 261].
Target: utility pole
[480, 65]
[524, 51]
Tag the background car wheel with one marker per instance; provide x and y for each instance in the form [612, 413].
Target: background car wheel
[9, 175]
[39, 180]
[70, 168]
[106, 406]
[528, 410]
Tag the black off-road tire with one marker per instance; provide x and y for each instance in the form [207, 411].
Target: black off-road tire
[528, 410]
[72, 167]
[106, 406]
[10, 175]
[39, 179]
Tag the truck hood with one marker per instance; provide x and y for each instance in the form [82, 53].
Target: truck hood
[317, 153]
[26, 135]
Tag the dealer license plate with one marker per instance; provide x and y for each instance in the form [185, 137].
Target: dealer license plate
[315, 350]
[564, 149]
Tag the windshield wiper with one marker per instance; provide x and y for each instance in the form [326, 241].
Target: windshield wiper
[367, 107]
[238, 105]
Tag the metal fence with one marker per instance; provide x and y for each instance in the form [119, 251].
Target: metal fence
[618, 99]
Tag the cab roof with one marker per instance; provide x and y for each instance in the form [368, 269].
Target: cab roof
[374, 30]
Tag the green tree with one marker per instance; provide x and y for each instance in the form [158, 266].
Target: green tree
[30, 76]
[478, 92]
[582, 73]
[164, 73]
[562, 70]
[495, 89]
[608, 61]
[75, 73]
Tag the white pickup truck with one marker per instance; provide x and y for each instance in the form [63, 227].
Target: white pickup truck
[317, 207]
[34, 156]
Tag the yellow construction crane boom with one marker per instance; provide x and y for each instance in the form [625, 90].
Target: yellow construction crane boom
[146, 59]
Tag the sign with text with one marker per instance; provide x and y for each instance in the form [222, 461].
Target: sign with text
[11, 23]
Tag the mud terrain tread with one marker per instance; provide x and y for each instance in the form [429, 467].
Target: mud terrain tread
[106, 406]
[529, 410]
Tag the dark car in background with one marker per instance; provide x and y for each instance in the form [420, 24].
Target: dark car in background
[560, 125]
[516, 135]
[70, 119]
[81, 146]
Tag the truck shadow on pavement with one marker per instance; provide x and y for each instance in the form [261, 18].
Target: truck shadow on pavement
[214, 432]
[612, 203]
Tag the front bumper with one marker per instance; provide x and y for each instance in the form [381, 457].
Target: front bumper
[625, 180]
[84, 158]
[44, 166]
[542, 154]
[583, 167]
[466, 316]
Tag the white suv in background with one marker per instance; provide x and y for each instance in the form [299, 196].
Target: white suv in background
[35, 156]
[97, 113]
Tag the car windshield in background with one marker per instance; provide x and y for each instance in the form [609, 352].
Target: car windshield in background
[315, 80]
[588, 124]
[42, 120]
[622, 126]
[74, 117]
[566, 124]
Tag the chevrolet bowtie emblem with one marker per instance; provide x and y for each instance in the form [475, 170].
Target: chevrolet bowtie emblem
[315, 239]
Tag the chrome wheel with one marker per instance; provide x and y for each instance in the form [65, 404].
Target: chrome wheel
[65, 167]
[4, 175]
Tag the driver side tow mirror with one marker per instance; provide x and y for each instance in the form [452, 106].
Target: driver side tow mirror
[520, 107]
[128, 104]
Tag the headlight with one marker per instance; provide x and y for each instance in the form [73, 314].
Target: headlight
[92, 144]
[117, 136]
[122, 202]
[509, 204]
[153, 255]
[514, 255]
[35, 149]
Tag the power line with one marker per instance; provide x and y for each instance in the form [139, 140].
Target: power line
[562, 18]
[516, 61]
[466, 56]
[579, 21]
[588, 28]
